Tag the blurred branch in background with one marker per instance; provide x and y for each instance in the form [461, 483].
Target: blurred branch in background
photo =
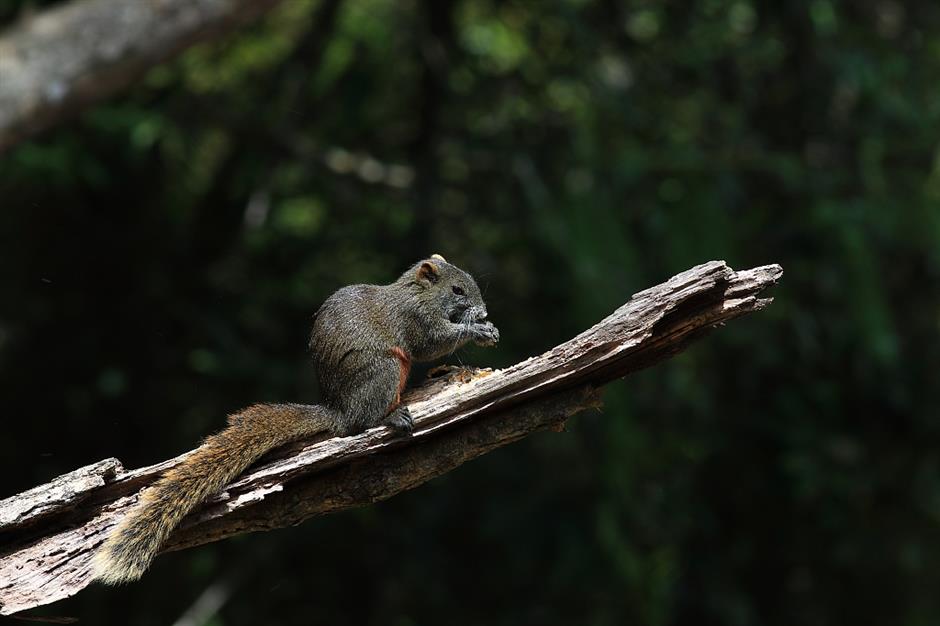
[206, 606]
[53, 530]
[66, 58]
[163, 249]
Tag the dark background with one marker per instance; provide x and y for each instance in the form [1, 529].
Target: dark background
[162, 253]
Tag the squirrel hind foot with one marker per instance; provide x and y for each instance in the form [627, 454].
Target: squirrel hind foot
[401, 420]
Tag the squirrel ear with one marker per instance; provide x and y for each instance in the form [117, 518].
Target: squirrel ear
[429, 271]
[437, 257]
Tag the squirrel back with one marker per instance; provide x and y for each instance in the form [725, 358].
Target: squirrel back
[363, 341]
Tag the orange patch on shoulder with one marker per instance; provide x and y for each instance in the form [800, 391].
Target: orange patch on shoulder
[404, 368]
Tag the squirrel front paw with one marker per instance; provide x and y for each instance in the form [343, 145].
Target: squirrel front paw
[401, 420]
[485, 334]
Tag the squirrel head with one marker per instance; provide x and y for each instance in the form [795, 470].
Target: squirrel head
[447, 290]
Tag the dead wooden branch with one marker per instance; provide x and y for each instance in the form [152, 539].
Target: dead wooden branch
[49, 533]
[65, 58]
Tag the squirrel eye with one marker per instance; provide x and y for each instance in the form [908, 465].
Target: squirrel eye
[457, 290]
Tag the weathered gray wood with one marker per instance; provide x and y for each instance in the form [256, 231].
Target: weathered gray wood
[64, 58]
[26, 508]
[457, 418]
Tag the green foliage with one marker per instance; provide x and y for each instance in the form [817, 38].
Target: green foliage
[164, 251]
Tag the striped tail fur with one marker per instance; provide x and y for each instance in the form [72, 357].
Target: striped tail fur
[128, 551]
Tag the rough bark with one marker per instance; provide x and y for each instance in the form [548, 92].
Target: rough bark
[49, 533]
[67, 57]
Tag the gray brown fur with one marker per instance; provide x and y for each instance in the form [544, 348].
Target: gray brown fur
[363, 340]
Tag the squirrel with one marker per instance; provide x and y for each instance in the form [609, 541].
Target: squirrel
[364, 340]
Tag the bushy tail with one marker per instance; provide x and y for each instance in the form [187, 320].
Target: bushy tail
[127, 552]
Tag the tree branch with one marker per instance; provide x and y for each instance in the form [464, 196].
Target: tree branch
[50, 532]
[68, 57]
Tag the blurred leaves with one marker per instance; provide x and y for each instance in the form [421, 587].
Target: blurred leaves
[568, 153]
